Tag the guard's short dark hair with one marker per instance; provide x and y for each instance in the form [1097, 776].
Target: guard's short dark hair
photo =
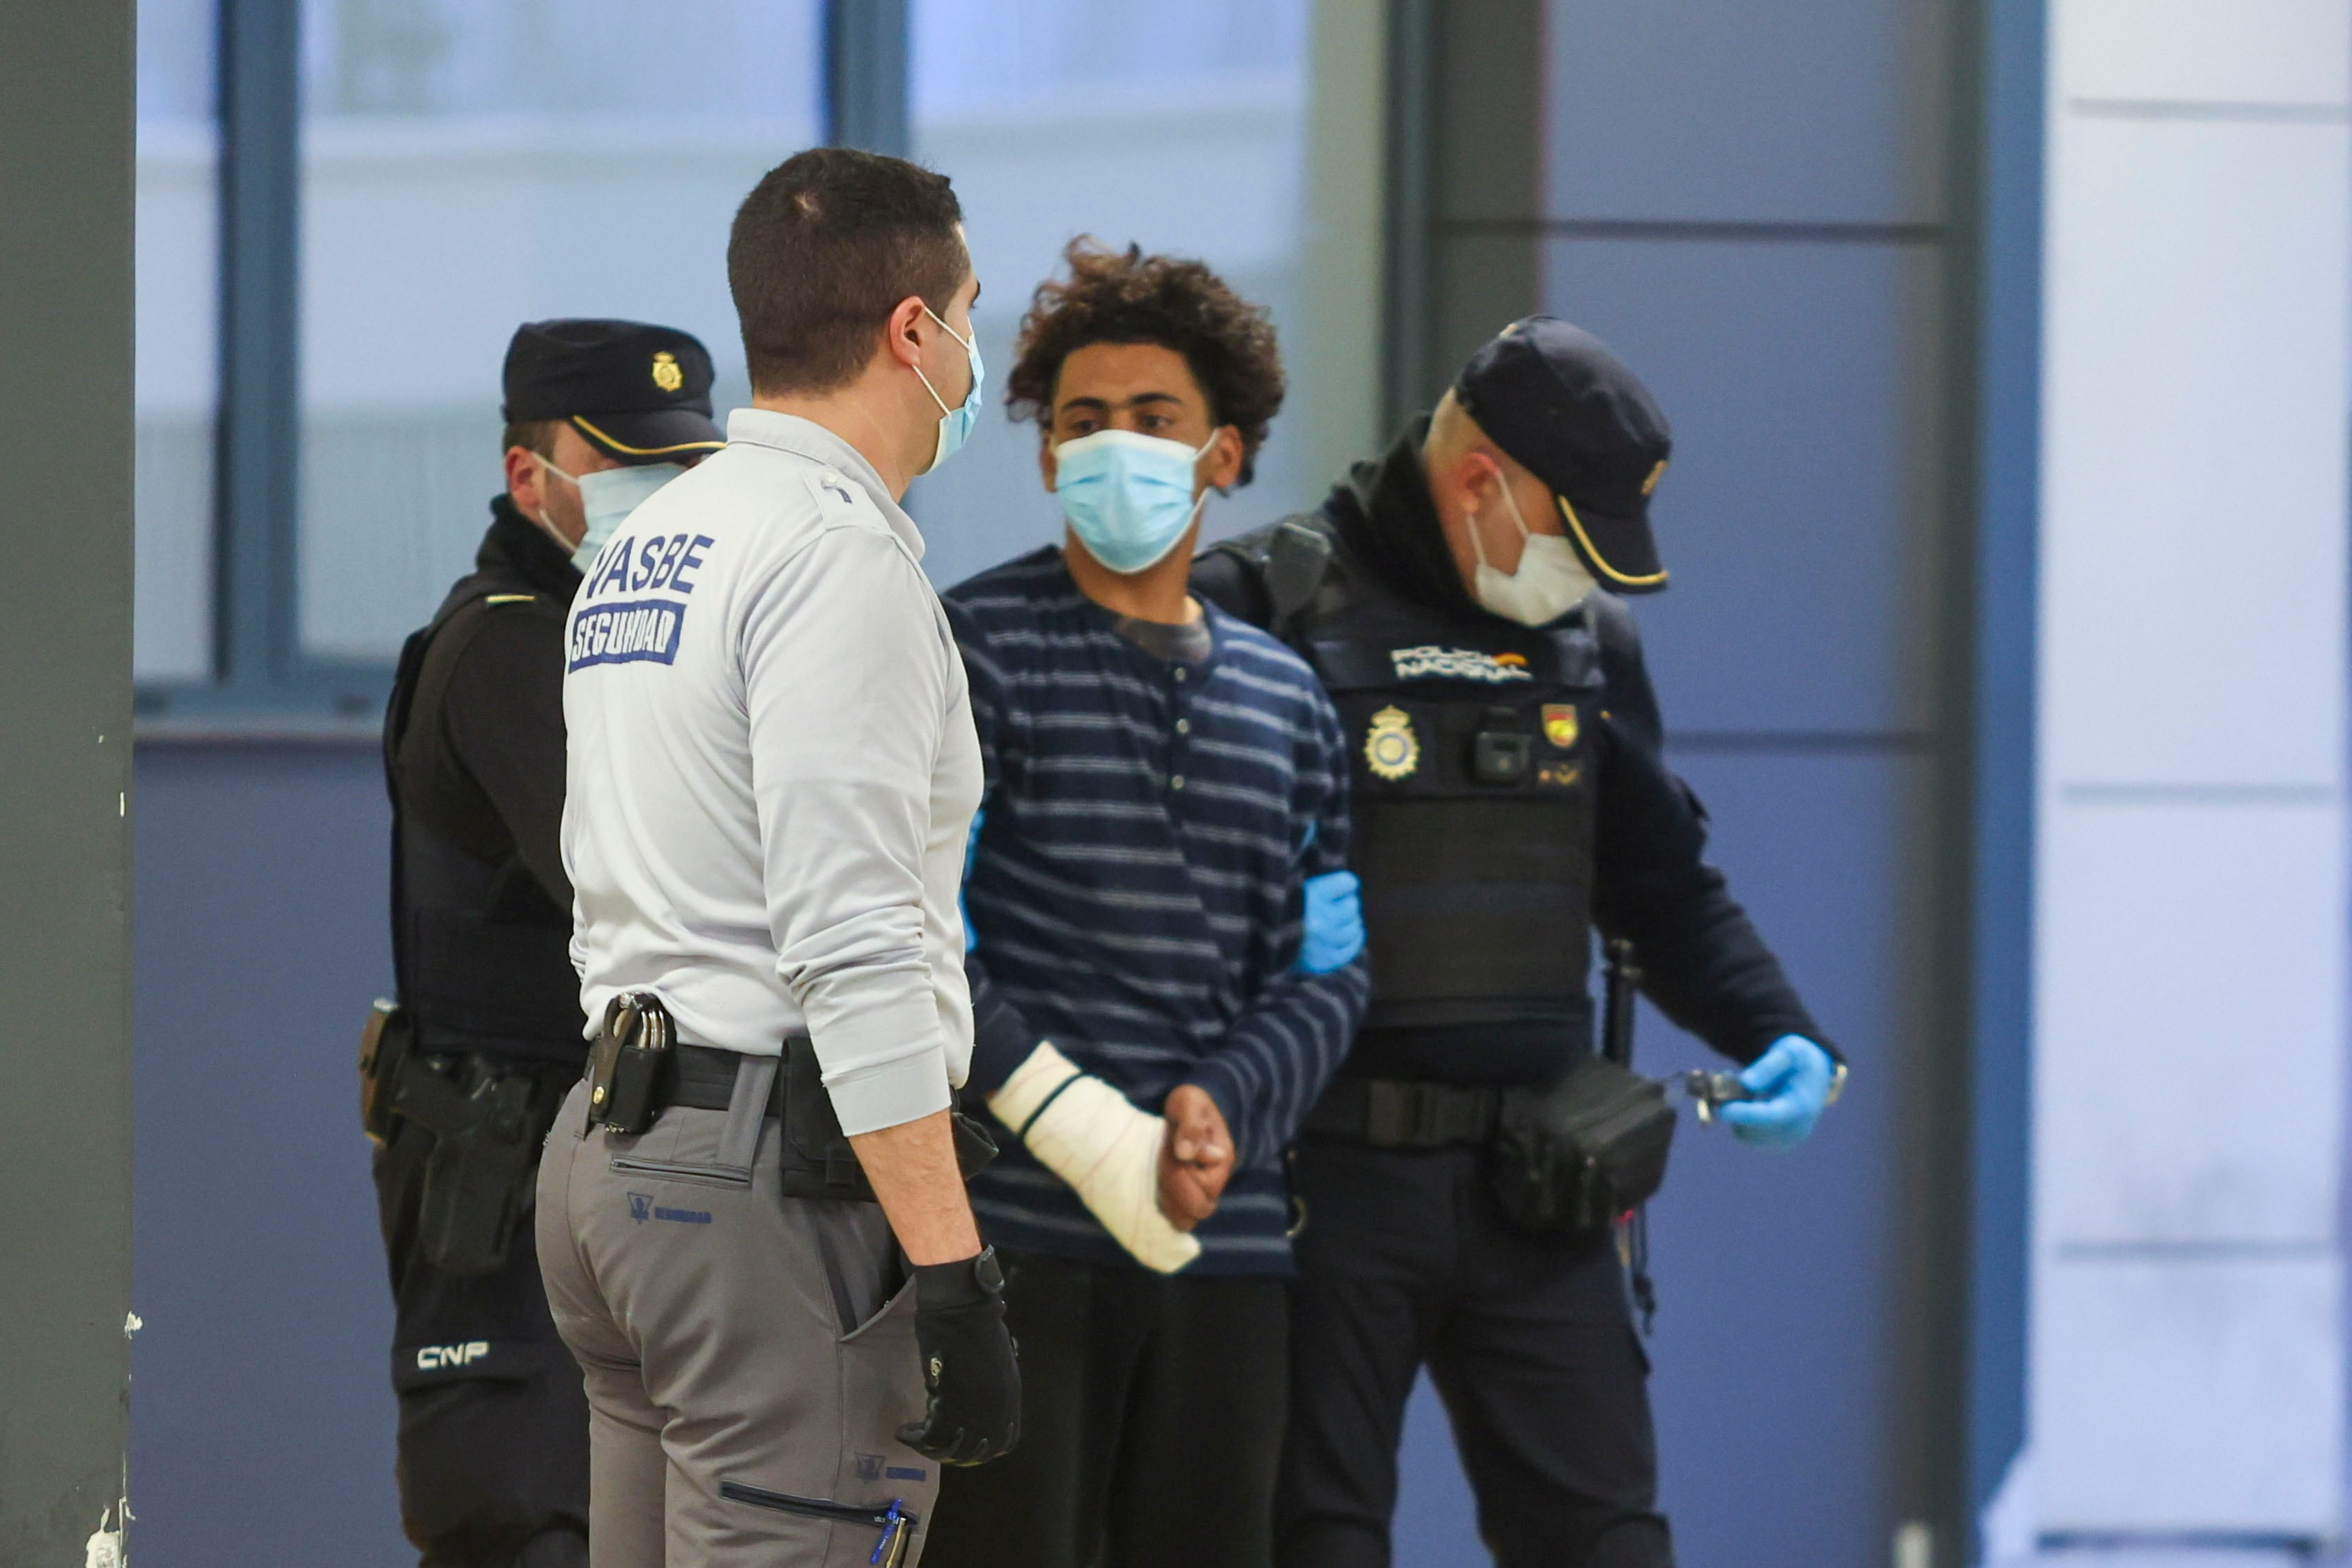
[824, 248]
[532, 436]
[1127, 297]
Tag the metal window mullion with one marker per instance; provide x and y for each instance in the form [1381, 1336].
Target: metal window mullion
[1405, 284]
[2011, 45]
[866, 59]
[257, 433]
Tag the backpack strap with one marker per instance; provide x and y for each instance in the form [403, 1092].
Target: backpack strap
[1271, 576]
[1297, 561]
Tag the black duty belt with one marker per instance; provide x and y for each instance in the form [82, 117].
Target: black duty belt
[815, 1160]
[702, 1077]
[1395, 1113]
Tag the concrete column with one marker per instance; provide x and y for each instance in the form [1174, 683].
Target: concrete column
[1333, 413]
[1465, 200]
[65, 774]
[2187, 1378]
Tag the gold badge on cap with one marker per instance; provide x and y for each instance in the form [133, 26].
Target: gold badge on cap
[1559, 724]
[667, 374]
[1656, 474]
[1392, 751]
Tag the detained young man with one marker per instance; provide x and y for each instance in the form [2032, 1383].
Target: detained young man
[1165, 945]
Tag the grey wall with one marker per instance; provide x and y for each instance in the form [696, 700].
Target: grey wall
[65, 764]
[1751, 204]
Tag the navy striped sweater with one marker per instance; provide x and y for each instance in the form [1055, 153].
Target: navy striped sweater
[1135, 891]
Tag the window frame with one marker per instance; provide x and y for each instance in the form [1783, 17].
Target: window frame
[261, 678]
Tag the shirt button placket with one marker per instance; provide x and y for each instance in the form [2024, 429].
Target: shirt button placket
[1183, 726]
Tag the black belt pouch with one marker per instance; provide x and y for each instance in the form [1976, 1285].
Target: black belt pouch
[818, 1161]
[1572, 1156]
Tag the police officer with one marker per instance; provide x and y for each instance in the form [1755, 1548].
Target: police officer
[493, 1443]
[1510, 800]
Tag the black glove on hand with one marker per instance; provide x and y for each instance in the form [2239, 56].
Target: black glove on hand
[970, 1368]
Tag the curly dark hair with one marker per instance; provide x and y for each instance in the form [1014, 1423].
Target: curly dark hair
[1127, 297]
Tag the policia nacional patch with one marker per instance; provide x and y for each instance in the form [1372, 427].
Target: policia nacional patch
[1392, 751]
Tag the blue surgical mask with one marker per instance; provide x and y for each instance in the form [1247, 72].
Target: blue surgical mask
[955, 423]
[1128, 497]
[607, 496]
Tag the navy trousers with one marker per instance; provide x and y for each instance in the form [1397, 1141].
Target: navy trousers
[1406, 1261]
[1150, 1419]
[493, 1445]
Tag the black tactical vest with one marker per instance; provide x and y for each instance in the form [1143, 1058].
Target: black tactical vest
[481, 952]
[1471, 790]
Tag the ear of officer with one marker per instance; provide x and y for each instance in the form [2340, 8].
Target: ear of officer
[1544, 436]
[925, 369]
[544, 487]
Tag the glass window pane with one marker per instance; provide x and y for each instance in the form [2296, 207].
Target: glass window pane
[1180, 129]
[177, 306]
[469, 165]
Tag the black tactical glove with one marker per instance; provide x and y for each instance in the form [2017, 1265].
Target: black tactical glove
[970, 1367]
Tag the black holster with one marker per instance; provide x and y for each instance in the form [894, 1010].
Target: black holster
[816, 1158]
[1572, 1157]
[489, 1118]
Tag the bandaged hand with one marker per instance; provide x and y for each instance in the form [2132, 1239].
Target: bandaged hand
[1093, 1138]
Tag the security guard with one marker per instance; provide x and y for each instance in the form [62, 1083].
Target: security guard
[464, 1076]
[1510, 800]
[752, 1214]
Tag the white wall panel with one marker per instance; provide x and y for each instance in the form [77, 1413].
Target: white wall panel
[2194, 465]
[2277, 52]
[2194, 1396]
[2190, 941]
[2188, 1079]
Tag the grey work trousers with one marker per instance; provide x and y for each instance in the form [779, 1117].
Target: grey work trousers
[727, 1333]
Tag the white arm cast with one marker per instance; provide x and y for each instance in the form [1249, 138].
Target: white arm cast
[1094, 1138]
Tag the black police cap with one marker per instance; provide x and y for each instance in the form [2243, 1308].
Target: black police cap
[638, 393]
[1566, 410]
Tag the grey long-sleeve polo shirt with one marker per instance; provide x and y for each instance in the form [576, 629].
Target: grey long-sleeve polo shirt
[773, 771]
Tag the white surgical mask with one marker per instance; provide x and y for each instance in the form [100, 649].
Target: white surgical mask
[955, 423]
[1127, 496]
[1550, 580]
[607, 496]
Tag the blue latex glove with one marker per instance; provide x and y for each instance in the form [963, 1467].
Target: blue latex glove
[1791, 1082]
[1333, 930]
